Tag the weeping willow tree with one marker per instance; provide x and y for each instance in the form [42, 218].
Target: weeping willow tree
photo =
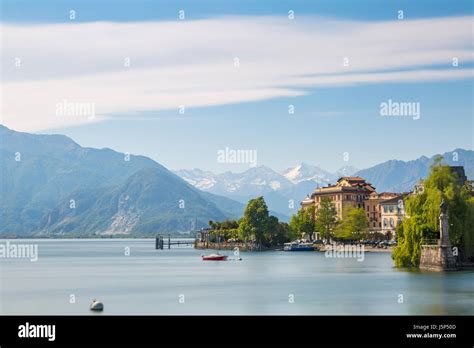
[423, 211]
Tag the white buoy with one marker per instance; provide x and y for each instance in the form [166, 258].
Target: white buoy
[96, 305]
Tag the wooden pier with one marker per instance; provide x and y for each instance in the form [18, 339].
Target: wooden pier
[161, 242]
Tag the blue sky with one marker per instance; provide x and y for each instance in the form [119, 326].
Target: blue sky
[281, 63]
[140, 10]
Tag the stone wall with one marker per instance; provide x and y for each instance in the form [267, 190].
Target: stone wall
[437, 258]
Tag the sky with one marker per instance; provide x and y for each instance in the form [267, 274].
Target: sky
[291, 81]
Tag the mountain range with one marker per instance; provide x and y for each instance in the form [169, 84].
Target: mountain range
[284, 190]
[51, 186]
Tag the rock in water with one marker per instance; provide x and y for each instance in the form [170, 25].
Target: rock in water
[97, 306]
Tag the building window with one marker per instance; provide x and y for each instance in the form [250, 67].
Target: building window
[390, 208]
[391, 222]
[385, 223]
[385, 209]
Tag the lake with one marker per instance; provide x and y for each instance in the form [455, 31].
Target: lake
[70, 273]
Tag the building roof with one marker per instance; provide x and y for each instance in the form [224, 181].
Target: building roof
[393, 200]
[353, 184]
[351, 178]
[354, 181]
[333, 188]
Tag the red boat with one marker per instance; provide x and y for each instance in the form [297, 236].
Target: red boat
[214, 257]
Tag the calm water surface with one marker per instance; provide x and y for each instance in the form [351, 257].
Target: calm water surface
[153, 281]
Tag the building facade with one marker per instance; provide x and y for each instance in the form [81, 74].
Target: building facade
[347, 192]
[356, 192]
[372, 207]
[392, 213]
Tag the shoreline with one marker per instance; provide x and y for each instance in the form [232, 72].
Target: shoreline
[232, 246]
[88, 238]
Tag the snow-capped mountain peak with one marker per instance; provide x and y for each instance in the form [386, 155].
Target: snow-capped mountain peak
[200, 179]
[259, 178]
[305, 172]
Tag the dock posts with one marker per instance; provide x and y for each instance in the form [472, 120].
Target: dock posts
[169, 241]
[159, 242]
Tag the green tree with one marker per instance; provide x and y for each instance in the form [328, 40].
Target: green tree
[326, 218]
[423, 216]
[256, 225]
[353, 226]
[224, 225]
[302, 223]
[277, 232]
[255, 222]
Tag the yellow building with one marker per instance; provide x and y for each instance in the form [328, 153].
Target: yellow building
[354, 191]
[348, 191]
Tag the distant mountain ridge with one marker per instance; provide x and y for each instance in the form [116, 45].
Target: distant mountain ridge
[52, 186]
[399, 176]
[284, 191]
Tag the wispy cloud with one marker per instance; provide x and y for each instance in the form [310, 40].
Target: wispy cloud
[192, 63]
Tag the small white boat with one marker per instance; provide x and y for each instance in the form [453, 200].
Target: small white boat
[214, 257]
